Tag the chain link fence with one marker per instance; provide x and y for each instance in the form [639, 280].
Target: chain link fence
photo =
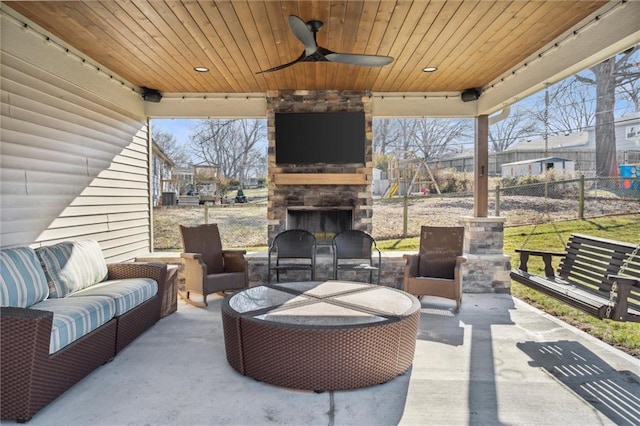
[245, 225]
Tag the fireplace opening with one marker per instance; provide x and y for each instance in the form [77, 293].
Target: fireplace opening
[324, 223]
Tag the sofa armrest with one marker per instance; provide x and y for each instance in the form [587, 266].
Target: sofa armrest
[25, 335]
[153, 270]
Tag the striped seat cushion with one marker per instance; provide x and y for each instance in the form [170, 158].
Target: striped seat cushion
[74, 317]
[72, 265]
[127, 293]
[22, 280]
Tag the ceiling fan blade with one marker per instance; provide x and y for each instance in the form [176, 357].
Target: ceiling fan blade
[299, 29]
[365, 60]
[288, 64]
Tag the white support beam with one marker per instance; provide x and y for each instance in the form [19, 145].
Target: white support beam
[214, 105]
[422, 105]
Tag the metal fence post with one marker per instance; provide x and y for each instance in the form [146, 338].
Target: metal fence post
[498, 200]
[581, 198]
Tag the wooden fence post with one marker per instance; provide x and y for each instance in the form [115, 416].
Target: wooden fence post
[581, 199]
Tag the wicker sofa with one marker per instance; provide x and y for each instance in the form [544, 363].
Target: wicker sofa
[64, 312]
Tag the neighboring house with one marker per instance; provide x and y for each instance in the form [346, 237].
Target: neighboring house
[578, 147]
[538, 166]
[163, 184]
[627, 139]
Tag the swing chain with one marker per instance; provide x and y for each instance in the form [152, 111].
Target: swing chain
[614, 285]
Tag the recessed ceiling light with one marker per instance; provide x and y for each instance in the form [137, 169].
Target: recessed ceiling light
[201, 69]
[429, 69]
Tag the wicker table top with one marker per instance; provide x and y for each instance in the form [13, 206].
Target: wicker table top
[322, 304]
[321, 335]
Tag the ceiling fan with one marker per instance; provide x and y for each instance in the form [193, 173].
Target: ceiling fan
[307, 32]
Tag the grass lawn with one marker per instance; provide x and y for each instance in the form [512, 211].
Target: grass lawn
[625, 336]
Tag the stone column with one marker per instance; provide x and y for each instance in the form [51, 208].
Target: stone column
[487, 268]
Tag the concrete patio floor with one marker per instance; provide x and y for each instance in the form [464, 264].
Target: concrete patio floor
[499, 361]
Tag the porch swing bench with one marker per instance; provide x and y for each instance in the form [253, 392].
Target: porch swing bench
[595, 275]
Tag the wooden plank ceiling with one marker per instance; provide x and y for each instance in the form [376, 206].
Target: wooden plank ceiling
[157, 44]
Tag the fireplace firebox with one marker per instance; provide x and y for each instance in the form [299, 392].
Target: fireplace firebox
[324, 223]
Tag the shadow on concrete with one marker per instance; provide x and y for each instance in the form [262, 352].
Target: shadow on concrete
[616, 394]
[440, 324]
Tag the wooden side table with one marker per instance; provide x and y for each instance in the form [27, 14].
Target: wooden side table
[170, 299]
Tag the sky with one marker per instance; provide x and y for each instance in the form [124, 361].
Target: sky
[178, 127]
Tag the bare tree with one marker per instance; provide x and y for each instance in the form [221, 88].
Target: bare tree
[170, 146]
[385, 134]
[570, 107]
[608, 75]
[630, 90]
[435, 137]
[232, 145]
[403, 144]
[520, 124]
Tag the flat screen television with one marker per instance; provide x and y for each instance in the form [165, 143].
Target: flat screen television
[323, 137]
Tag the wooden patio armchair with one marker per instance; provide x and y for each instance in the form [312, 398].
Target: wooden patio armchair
[207, 267]
[437, 268]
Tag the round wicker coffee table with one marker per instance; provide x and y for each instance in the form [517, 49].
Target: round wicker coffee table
[321, 336]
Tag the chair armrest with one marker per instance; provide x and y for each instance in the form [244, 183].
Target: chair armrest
[234, 260]
[191, 256]
[625, 280]
[549, 271]
[194, 271]
[379, 255]
[457, 269]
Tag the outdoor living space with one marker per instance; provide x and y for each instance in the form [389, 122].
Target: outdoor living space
[82, 82]
[499, 361]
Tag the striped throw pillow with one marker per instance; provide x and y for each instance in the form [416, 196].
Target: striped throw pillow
[72, 265]
[22, 280]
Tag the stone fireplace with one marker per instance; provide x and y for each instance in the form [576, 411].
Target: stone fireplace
[322, 198]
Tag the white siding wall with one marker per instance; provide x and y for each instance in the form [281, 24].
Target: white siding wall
[74, 150]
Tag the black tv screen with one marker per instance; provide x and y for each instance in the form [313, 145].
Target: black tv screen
[324, 137]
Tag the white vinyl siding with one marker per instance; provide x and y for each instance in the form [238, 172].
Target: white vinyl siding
[74, 163]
